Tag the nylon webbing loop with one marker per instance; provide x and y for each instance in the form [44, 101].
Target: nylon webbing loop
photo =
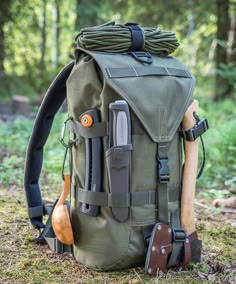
[116, 200]
[178, 238]
[137, 37]
[100, 129]
[39, 211]
[124, 72]
[35, 211]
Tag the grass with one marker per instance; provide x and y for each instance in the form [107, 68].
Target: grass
[24, 261]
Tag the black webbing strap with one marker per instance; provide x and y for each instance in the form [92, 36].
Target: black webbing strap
[179, 237]
[53, 100]
[163, 178]
[178, 234]
[137, 36]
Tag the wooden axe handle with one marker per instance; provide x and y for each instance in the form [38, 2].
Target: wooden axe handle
[190, 172]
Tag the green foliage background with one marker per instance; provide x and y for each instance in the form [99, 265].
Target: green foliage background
[193, 21]
[195, 24]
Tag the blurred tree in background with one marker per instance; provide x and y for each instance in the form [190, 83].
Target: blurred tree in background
[5, 17]
[225, 51]
[36, 37]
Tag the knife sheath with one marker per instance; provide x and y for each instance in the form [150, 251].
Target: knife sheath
[118, 158]
[93, 176]
[118, 163]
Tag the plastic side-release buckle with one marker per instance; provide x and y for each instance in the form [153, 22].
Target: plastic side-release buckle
[198, 129]
[163, 171]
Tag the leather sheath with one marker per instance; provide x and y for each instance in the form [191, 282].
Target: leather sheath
[159, 248]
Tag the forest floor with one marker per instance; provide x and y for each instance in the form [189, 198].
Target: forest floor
[24, 261]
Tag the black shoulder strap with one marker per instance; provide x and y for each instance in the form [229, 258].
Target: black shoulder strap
[53, 100]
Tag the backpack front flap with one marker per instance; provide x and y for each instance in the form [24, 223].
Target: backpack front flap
[158, 96]
[159, 93]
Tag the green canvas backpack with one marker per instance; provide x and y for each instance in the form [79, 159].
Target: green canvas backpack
[127, 113]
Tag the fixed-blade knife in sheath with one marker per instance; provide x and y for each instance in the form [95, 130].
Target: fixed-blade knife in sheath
[119, 154]
[93, 176]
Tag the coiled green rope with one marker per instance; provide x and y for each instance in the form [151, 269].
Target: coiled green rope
[112, 37]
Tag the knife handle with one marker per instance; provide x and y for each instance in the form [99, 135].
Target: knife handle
[114, 131]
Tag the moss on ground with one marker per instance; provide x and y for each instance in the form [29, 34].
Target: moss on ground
[24, 261]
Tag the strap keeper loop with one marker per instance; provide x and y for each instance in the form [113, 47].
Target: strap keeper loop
[137, 36]
[178, 235]
[199, 128]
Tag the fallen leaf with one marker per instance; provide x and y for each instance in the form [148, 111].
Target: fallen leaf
[203, 201]
[202, 275]
[214, 267]
[211, 276]
[23, 267]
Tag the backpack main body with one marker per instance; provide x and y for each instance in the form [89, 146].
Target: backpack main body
[158, 95]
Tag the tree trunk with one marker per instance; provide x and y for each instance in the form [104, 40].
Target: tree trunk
[2, 47]
[56, 34]
[87, 13]
[232, 53]
[232, 57]
[43, 38]
[223, 26]
[5, 7]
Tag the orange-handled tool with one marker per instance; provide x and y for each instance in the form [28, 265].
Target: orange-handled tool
[87, 120]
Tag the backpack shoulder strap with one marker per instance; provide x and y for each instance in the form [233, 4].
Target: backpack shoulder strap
[52, 102]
